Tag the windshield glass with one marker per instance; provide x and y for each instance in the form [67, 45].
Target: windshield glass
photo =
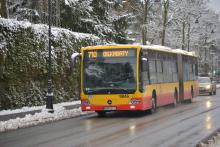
[204, 80]
[110, 71]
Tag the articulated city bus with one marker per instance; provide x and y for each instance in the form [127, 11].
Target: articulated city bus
[135, 77]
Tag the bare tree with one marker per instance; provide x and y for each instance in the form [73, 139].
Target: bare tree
[3, 9]
[165, 15]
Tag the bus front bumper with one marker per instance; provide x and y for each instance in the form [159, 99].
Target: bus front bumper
[92, 107]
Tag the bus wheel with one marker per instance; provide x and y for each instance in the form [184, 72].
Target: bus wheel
[154, 106]
[101, 113]
[192, 95]
[211, 93]
[175, 99]
[215, 92]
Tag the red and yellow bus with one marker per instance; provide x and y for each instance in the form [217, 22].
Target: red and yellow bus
[135, 77]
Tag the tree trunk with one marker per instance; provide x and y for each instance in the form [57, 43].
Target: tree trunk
[166, 6]
[188, 37]
[183, 35]
[144, 28]
[3, 9]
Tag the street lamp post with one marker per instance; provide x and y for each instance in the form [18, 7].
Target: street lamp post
[49, 102]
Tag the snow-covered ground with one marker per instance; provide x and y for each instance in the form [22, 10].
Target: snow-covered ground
[218, 86]
[60, 113]
[212, 141]
[28, 109]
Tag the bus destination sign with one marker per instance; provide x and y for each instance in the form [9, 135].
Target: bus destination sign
[110, 53]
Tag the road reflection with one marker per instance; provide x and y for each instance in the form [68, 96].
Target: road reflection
[132, 129]
[208, 123]
[208, 104]
[88, 123]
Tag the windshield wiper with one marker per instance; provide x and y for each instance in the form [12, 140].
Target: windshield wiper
[92, 91]
[109, 91]
[124, 89]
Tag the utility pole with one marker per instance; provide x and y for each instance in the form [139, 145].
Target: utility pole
[49, 103]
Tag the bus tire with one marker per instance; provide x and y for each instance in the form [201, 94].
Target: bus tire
[153, 104]
[192, 95]
[175, 99]
[215, 92]
[101, 113]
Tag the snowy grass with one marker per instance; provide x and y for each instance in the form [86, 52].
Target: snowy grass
[60, 113]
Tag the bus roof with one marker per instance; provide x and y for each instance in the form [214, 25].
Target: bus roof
[144, 47]
[168, 49]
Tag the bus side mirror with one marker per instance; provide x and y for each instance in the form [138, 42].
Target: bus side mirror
[73, 58]
[144, 64]
[144, 59]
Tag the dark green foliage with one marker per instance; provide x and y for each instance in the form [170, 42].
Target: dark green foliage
[23, 65]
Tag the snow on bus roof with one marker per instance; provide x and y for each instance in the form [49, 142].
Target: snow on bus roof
[180, 51]
[168, 49]
[151, 47]
[157, 47]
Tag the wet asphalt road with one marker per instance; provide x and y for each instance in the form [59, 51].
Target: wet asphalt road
[183, 126]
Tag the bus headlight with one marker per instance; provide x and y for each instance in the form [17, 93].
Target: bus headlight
[208, 87]
[85, 102]
[135, 101]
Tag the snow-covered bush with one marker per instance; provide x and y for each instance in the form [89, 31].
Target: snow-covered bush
[23, 63]
[99, 17]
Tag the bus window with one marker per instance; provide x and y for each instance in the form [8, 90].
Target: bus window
[174, 71]
[152, 55]
[152, 69]
[167, 72]
[160, 71]
[196, 69]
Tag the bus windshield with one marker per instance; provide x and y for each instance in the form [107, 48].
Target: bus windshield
[110, 71]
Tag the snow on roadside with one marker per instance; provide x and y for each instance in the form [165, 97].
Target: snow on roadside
[218, 86]
[211, 141]
[27, 109]
[60, 113]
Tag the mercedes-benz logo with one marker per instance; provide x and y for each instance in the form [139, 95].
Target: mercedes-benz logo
[109, 102]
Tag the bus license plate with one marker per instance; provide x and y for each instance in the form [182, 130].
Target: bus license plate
[109, 108]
